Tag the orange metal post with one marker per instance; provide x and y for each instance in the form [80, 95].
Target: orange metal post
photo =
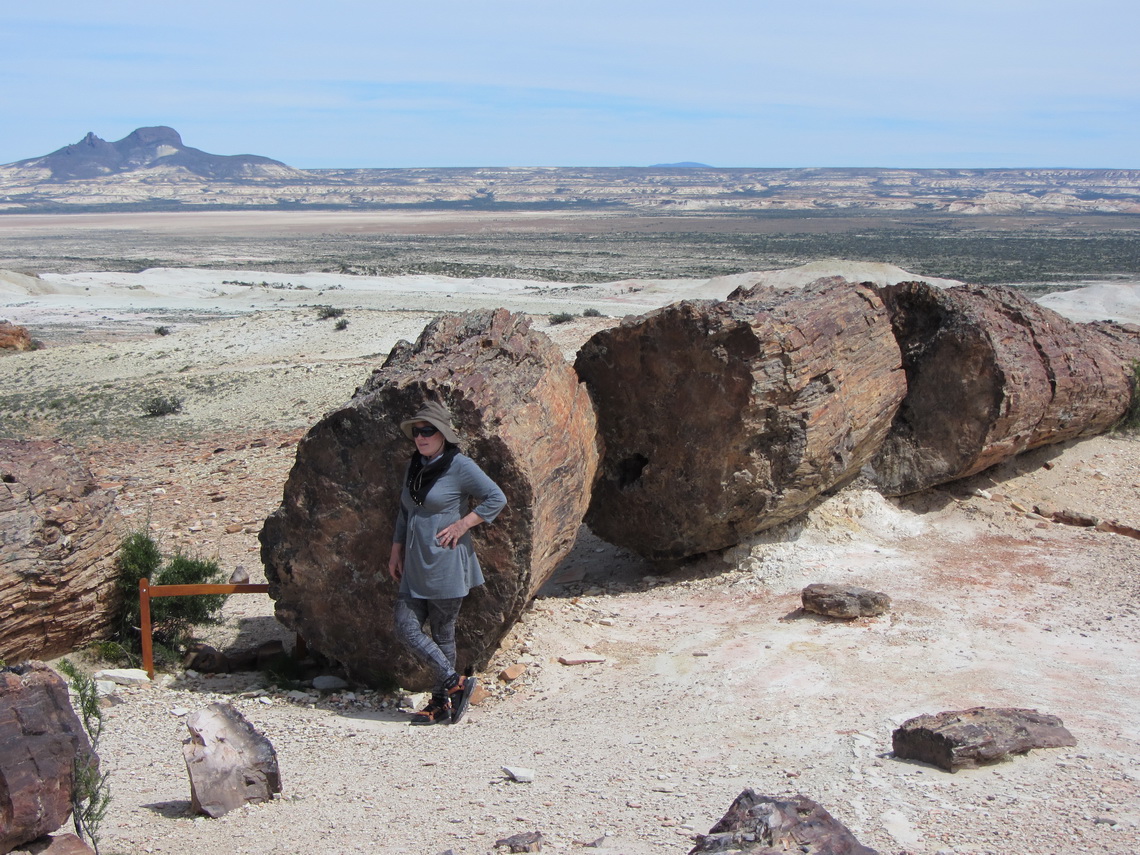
[144, 620]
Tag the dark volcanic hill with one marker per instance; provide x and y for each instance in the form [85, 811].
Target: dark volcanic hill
[159, 148]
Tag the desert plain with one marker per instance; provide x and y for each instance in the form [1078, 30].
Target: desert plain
[708, 679]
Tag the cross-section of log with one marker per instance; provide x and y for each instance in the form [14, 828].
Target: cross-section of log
[990, 374]
[521, 414]
[722, 419]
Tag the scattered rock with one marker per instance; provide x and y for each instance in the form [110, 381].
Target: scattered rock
[586, 660]
[762, 824]
[124, 676]
[1077, 518]
[329, 683]
[843, 601]
[512, 672]
[41, 739]
[14, 337]
[968, 738]
[527, 841]
[58, 844]
[229, 762]
[519, 774]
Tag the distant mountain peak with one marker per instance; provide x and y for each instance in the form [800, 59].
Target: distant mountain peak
[151, 148]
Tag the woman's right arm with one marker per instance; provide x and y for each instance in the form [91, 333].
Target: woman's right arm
[399, 536]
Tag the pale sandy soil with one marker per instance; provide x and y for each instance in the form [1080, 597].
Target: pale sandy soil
[712, 680]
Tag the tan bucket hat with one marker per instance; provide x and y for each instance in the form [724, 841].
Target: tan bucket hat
[434, 413]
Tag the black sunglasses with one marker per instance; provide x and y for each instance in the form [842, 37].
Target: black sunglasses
[426, 430]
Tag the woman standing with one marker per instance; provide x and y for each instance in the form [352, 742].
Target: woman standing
[432, 556]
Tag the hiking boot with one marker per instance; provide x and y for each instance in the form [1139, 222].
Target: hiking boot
[437, 711]
[460, 696]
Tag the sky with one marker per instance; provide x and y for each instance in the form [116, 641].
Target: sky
[730, 83]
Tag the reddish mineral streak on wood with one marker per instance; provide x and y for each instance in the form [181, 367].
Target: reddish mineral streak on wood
[522, 416]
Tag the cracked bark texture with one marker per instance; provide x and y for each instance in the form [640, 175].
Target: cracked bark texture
[521, 415]
[60, 532]
[991, 374]
[722, 419]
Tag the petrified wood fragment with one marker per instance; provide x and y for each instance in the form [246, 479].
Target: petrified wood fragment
[40, 740]
[967, 738]
[762, 825]
[522, 416]
[60, 532]
[722, 419]
[229, 762]
[990, 374]
[843, 601]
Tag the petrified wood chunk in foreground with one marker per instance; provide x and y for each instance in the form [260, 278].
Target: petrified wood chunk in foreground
[40, 740]
[762, 824]
[843, 601]
[229, 762]
[967, 738]
[521, 415]
[990, 374]
[722, 419]
[60, 531]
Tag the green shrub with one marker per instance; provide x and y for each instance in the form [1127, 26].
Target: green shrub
[342, 324]
[326, 312]
[164, 330]
[162, 405]
[172, 618]
[591, 313]
[561, 318]
[91, 792]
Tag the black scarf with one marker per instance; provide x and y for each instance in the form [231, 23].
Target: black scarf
[422, 477]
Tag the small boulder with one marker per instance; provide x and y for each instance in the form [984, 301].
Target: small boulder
[14, 337]
[843, 601]
[58, 844]
[526, 841]
[229, 762]
[41, 738]
[762, 824]
[968, 738]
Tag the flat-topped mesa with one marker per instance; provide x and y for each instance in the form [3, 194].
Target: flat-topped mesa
[991, 374]
[722, 419]
[521, 415]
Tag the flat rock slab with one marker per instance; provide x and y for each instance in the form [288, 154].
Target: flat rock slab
[968, 738]
[229, 762]
[765, 826]
[843, 601]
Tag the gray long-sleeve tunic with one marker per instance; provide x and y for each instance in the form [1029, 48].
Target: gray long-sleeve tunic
[433, 572]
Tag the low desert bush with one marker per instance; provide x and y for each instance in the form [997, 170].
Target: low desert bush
[163, 330]
[326, 312]
[91, 791]
[172, 618]
[162, 405]
[591, 313]
[342, 324]
[561, 318]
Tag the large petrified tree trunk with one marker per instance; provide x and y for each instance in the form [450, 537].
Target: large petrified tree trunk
[40, 740]
[721, 419]
[522, 416]
[59, 532]
[990, 374]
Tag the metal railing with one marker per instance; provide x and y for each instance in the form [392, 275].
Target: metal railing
[147, 592]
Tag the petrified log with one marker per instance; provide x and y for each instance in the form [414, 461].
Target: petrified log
[967, 738]
[58, 844]
[522, 416]
[60, 532]
[13, 337]
[762, 825]
[990, 374]
[40, 741]
[229, 762]
[722, 419]
[843, 601]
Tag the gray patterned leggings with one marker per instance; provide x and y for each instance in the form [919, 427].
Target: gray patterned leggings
[437, 649]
